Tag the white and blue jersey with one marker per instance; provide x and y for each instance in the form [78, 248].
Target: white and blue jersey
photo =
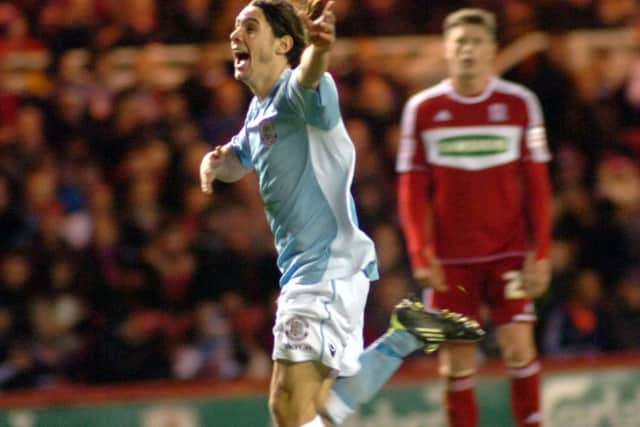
[297, 143]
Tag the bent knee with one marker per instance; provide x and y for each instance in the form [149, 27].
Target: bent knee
[281, 404]
[517, 344]
[518, 353]
[288, 408]
[516, 357]
[457, 360]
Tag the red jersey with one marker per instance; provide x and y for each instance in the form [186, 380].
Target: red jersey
[476, 167]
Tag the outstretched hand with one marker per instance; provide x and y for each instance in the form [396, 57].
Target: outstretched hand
[209, 165]
[320, 24]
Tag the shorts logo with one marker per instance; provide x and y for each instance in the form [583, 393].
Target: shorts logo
[297, 347]
[296, 329]
[268, 133]
[332, 350]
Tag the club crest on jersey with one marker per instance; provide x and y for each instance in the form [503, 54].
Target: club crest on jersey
[498, 112]
[296, 329]
[268, 134]
[442, 116]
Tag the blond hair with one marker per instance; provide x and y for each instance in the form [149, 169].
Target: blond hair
[472, 16]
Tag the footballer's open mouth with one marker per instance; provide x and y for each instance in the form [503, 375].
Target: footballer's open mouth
[240, 59]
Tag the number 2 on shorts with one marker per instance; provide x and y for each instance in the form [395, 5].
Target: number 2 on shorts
[513, 286]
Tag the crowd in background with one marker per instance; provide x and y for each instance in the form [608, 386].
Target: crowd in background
[115, 267]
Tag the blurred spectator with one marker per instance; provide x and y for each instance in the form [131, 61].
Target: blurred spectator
[615, 13]
[610, 246]
[224, 21]
[191, 20]
[26, 148]
[626, 100]
[519, 17]
[169, 254]
[545, 74]
[55, 345]
[212, 352]
[16, 287]
[199, 85]
[577, 325]
[141, 26]
[381, 113]
[374, 15]
[567, 15]
[226, 112]
[624, 313]
[133, 349]
[17, 367]
[14, 31]
[368, 157]
[13, 227]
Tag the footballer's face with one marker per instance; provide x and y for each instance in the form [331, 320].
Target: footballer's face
[256, 51]
[470, 51]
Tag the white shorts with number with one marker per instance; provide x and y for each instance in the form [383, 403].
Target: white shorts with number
[322, 322]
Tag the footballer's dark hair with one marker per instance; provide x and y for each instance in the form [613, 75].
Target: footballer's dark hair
[472, 16]
[284, 20]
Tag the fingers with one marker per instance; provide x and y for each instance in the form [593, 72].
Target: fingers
[317, 8]
[535, 288]
[438, 283]
[315, 13]
[422, 279]
[327, 14]
[206, 178]
[536, 275]
[208, 167]
[321, 31]
[431, 277]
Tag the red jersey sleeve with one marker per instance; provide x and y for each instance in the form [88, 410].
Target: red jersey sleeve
[411, 151]
[536, 178]
[412, 188]
[412, 210]
[538, 206]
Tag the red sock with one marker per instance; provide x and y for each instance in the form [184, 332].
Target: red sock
[525, 395]
[462, 409]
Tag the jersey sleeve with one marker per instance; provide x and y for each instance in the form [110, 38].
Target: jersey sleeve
[411, 154]
[240, 145]
[538, 203]
[319, 107]
[413, 182]
[412, 212]
[536, 178]
[535, 147]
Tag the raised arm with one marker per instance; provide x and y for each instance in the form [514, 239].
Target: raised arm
[321, 33]
[220, 163]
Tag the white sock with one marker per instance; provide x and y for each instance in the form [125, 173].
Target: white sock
[316, 422]
[378, 363]
[336, 409]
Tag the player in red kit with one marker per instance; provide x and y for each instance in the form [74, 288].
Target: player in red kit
[474, 202]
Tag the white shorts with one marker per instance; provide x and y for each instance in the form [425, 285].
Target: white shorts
[322, 322]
